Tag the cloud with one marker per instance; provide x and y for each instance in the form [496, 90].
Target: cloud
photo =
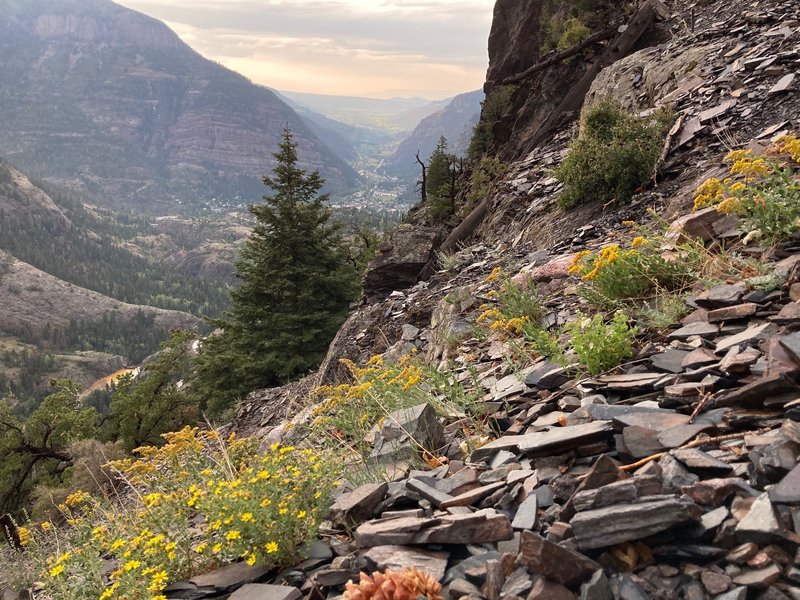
[424, 47]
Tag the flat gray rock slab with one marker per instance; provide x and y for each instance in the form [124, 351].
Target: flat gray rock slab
[730, 313]
[559, 438]
[473, 496]
[759, 525]
[430, 493]
[259, 591]
[604, 527]
[788, 490]
[754, 394]
[698, 358]
[527, 513]
[699, 461]
[670, 361]
[485, 526]
[229, 576]
[359, 505]
[701, 329]
[721, 295]
[749, 335]
[398, 558]
[676, 436]
[556, 562]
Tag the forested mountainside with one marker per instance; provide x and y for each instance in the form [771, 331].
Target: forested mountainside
[455, 122]
[110, 102]
[85, 291]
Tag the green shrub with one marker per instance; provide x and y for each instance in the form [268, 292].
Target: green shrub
[494, 106]
[348, 412]
[575, 31]
[600, 346]
[483, 175]
[614, 155]
[635, 273]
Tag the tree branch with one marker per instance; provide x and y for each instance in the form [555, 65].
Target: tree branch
[559, 56]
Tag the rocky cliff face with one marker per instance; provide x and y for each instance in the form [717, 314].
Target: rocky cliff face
[111, 102]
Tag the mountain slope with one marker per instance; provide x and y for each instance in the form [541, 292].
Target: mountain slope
[93, 249]
[455, 122]
[113, 103]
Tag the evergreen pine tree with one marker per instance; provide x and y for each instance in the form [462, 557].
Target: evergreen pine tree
[443, 170]
[297, 284]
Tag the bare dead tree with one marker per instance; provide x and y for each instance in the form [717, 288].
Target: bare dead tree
[424, 186]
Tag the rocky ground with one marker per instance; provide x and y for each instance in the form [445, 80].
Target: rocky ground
[673, 476]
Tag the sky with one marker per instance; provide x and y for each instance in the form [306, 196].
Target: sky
[381, 49]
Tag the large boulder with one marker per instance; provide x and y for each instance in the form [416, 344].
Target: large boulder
[403, 254]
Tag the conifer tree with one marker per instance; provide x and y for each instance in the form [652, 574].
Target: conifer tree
[297, 284]
[443, 172]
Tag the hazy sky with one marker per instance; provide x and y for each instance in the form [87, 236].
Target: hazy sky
[381, 48]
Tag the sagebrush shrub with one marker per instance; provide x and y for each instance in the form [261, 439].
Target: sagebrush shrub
[614, 155]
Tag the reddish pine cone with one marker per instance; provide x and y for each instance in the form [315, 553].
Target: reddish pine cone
[393, 585]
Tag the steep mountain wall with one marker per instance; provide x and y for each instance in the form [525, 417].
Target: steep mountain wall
[113, 103]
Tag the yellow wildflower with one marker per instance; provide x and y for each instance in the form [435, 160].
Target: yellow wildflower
[494, 275]
[789, 144]
[577, 262]
[271, 548]
[57, 570]
[233, 534]
[76, 498]
[302, 514]
[638, 241]
[131, 565]
[158, 581]
[247, 517]
[25, 536]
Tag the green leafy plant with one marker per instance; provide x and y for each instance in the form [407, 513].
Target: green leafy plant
[496, 104]
[574, 32]
[601, 346]
[614, 155]
[483, 175]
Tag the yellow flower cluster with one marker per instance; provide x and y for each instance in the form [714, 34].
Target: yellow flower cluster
[607, 256]
[747, 165]
[710, 192]
[250, 505]
[496, 274]
[789, 145]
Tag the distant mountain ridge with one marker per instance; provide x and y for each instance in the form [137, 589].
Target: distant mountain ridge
[111, 102]
[394, 114]
[455, 122]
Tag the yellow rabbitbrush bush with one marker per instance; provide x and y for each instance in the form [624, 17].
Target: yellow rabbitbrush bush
[615, 273]
[763, 191]
[347, 412]
[198, 502]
